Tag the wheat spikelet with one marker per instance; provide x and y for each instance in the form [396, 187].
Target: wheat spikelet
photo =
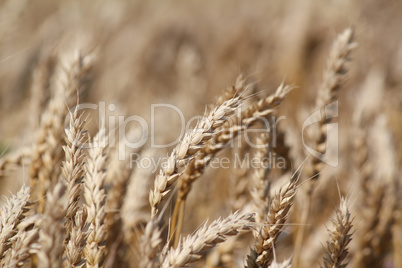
[12, 213]
[340, 236]
[262, 253]
[95, 198]
[192, 142]
[206, 237]
[234, 91]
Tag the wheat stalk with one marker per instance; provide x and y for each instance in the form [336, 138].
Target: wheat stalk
[192, 142]
[11, 214]
[120, 173]
[285, 264]
[73, 166]
[190, 248]
[14, 159]
[239, 196]
[379, 198]
[262, 253]
[281, 148]
[260, 191]
[135, 209]
[149, 245]
[334, 77]
[40, 84]
[340, 237]
[230, 130]
[178, 214]
[239, 184]
[95, 198]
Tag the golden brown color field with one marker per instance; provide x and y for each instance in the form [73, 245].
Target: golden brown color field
[271, 133]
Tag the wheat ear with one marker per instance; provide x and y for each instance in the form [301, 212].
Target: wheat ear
[51, 234]
[379, 200]
[73, 169]
[24, 244]
[190, 248]
[11, 214]
[135, 209]
[239, 196]
[73, 166]
[47, 149]
[262, 253]
[281, 148]
[239, 183]
[14, 159]
[149, 245]
[78, 236]
[119, 173]
[334, 77]
[177, 219]
[40, 83]
[230, 130]
[340, 236]
[192, 142]
[260, 191]
[95, 198]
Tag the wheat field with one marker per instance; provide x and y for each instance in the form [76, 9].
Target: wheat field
[200, 133]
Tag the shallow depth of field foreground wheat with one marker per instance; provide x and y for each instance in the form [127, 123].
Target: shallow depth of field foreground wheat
[200, 134]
